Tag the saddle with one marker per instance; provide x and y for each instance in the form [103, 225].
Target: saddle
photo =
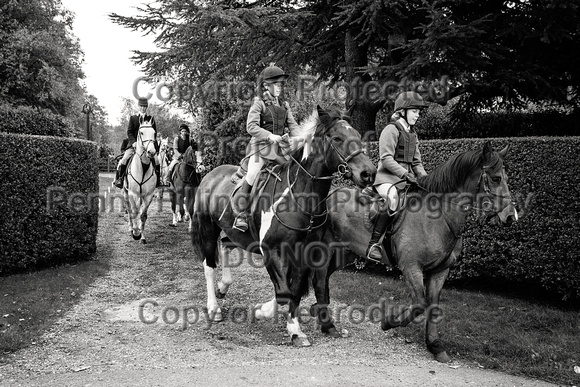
[268, 171]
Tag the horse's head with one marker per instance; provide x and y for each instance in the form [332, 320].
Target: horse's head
[189, 157]
[163, 145]
[493, 187]
[345, 152]
[146, 140]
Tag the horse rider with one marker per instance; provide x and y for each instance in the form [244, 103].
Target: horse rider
[269, 120]
[399, 159]
[180, 145]
[135, 122]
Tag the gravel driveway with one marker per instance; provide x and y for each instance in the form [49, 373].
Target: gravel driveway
[103, 341]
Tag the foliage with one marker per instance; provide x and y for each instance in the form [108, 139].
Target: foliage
[492, 55]
[40, 60]
[539, 251]
[49, 209]
[28, 120]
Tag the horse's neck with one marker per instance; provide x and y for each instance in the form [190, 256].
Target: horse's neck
[142, 155]
[305, 185]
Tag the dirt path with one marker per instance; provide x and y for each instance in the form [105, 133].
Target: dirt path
[104, 341]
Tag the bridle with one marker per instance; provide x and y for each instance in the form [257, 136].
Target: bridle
[343, 170]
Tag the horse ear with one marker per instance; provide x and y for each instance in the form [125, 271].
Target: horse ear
[487, 149]
[503, 153]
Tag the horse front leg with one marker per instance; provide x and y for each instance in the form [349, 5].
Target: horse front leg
[173, 197]
[320, 282]
[286, 296]
[434, 284]
[226, 280]
[414, 279]
[132, 208]
[214, 312]
[145, 203]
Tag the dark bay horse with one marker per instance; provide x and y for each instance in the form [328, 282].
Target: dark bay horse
[426, 236]
[185, 179]
[140, 181]
[288, 213]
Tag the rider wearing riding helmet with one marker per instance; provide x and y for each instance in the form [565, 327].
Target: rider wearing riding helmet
[180, 145]
[399, 159]
[135, 122]
[268, 122]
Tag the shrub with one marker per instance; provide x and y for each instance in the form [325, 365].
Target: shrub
[48, 201]
[29, 120]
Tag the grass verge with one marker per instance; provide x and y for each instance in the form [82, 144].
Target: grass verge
[490, 331]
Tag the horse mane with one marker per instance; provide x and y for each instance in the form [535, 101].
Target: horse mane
[311, 126]
[450, 175]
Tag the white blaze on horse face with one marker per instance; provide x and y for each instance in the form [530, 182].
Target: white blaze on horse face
[268, 216]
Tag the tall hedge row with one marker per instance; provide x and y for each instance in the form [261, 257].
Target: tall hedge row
[48, 201]
[541, 250]
[29, 120]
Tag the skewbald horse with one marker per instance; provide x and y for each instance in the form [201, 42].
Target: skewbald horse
[331, 145]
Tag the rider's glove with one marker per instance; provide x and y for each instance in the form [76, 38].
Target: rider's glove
[410, 178]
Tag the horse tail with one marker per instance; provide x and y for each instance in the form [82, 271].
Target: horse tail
[196, 240]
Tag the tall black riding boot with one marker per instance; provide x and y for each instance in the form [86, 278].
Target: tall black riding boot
[120, 176]
[241, 201]
[158, 184]
[382, 223]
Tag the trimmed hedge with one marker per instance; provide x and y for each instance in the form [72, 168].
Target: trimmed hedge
[48, 201]
[29, 120]
[541, 249]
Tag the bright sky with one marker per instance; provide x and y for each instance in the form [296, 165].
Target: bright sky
[109, 72]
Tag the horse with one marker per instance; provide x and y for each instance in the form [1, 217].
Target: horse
[140, 181]
[426, 235]
[185, 179]
[288, 212]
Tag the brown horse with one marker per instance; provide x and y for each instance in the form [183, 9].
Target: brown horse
[426, 236]
[185, 179]
[289, 213]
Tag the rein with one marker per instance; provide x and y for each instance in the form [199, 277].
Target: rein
[343, 170]
[142, 182]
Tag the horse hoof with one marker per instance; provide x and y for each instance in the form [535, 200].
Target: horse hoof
[442, 357]
[216, 317]
[298, 341]
[172, 225]
[386, 325]
[143, 241]
[136, 237]
[219, 294]
[332, 332]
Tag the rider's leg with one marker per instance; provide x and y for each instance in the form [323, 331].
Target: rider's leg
[242, 196]
[243, 167]
[122, 168]
[158, 183]
[167, 176]
[383, 220]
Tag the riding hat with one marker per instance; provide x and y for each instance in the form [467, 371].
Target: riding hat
[143, 102]
[272, 74]
[409, 100]
[184, 127]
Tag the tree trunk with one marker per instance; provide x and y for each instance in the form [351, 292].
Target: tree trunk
[362, 102]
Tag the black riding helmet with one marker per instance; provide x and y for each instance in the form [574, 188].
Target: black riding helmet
[409, 100]
[272, 74]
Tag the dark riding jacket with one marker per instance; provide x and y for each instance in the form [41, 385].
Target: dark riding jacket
[398, 154]
[180, 146]
[134, 124]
